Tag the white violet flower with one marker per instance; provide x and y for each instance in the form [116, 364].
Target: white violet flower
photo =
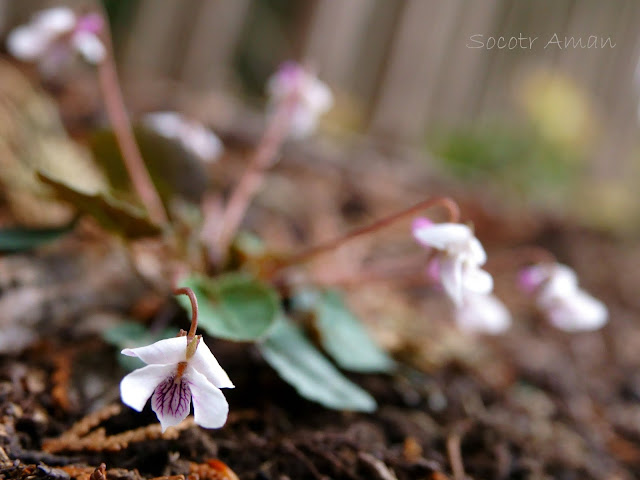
[313, 97]
[482, 313]
[194, 137]
[177, 372]
[459, 257]
[566, 306]
[51, 33]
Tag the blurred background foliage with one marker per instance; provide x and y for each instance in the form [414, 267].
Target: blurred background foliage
[555, 126]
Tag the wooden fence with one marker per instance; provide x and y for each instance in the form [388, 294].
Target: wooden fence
[406, 65]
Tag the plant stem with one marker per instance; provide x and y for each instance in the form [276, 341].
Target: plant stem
[253, 176]
[119, 119]
[194, 309]
[306, 255]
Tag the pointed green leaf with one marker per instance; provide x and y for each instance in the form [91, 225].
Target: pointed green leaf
[300, 364]
[112, 214]
[345, 338]
[234, 307]
[19, 239]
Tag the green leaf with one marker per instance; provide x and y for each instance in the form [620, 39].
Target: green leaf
[301, 365]
[345, 338]
[19, 239]
[132, 335]
[234, 307]
[112, 214]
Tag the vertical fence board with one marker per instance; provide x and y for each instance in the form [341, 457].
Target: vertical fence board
[151, 46]
[334, 37]
[209, 52]
[401, 108]
[464, 68]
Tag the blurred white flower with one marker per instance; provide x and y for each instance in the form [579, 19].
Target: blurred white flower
[566, 306]
[312, 97]
[56, 30]
[459, 257]
[194, 137]
[176, 374]
[482, 313]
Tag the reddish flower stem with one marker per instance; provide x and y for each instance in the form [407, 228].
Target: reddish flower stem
[253, 176]
[194, 309]
[306, 255]
[117, 113]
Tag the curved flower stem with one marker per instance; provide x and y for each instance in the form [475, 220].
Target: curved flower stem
[304, 256]
[194, 309]
[117, 113]
[253, 176]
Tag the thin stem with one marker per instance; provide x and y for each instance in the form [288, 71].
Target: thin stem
[194, 309]
[253, 176]
[304, 256]
[455, 456]
[119, 119]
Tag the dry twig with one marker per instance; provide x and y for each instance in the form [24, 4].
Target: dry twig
[81, 437]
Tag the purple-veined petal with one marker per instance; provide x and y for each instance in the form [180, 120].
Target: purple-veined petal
[172, 401]
[204, 362]
[443, 235]
[137, 387]
[210, 407]
[477, 280]
[451, 278]
[170, 350]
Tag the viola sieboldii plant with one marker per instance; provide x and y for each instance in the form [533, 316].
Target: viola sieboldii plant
[179, 370]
